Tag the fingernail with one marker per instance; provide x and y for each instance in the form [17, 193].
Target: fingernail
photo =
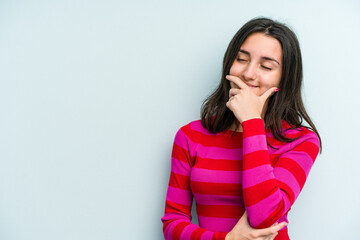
[277, 90]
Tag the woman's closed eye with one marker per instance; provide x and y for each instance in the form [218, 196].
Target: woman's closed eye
[241, 60]
[266, 68]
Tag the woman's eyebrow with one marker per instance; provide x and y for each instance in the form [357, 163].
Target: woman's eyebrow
[270, 59]
[245, 52]
[265, 58]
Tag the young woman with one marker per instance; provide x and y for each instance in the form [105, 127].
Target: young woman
[247, 159]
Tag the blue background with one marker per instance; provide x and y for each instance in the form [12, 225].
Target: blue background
[93, 92]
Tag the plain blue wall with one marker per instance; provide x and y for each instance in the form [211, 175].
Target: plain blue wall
[93, 92]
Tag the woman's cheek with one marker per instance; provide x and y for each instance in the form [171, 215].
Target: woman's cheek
[262, 90]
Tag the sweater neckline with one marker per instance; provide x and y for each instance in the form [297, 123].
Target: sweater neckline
[230, 132]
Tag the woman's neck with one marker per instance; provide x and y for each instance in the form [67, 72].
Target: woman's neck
[233, 126]
[236, 122]
[239, 128]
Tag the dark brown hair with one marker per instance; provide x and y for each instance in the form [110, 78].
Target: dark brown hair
[287, 104]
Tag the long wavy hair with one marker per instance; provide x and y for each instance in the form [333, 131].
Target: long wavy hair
[287, 104]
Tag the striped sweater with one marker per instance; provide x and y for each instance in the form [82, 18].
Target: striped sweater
[230, 172]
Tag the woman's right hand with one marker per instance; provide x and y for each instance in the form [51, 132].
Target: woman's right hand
[243, 231]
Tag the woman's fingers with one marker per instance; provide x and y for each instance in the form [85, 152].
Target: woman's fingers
[265, 96]
[243, 230]
[237, 81]
[273, 236]
[233, 92]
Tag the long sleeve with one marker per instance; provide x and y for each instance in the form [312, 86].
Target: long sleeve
[269, 190]
[177, 218]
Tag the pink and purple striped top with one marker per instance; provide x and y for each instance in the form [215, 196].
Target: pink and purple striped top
[230, 172]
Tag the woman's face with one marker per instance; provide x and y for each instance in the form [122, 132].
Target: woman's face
[258, 63]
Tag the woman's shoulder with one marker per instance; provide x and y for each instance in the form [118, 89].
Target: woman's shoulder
[301, 134]
[195, 127]
[195, 132]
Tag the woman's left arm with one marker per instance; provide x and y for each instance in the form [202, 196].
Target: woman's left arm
[269, 191]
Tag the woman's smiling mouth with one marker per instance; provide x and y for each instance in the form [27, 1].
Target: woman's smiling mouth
[251, 86]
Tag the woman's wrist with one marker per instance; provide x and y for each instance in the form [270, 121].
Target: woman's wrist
[249, 118]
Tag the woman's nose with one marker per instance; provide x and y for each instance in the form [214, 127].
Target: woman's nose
[249, 72]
